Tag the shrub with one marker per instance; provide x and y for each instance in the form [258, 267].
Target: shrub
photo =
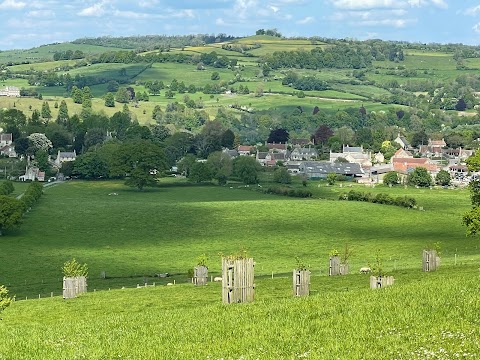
[380, 198]
[73, 269]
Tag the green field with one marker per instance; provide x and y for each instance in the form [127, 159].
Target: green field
[134, 235]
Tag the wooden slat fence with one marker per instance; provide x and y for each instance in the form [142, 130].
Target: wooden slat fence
[72, 286]
[237, 280]
[377, 282]
[431, 260]
[337, 267]
[200, 275]
[301, 282]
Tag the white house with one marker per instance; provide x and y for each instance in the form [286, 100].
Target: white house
[11, 91]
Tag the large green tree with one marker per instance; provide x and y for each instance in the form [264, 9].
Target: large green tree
[471, 219]
[141, 161]
[221, 165]
[10, 212]
[246, 168]
[419, 177]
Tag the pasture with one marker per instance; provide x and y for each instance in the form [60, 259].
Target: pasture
[136, 234]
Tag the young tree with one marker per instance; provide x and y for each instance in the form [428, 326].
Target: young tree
[122, 95]
[200, 172]
[5, 300]
[77, 95]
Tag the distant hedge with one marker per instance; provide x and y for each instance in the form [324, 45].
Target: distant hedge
[279, 190]
[380, 198]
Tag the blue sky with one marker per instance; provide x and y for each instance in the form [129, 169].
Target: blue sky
[29, 23]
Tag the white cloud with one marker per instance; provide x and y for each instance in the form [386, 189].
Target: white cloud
[385, 4]
[476, 28]
[12, 5]
[147, 3]
[96, 10]
[366, 4]
[473, 11]
[41, 14]
[244, 8]
[306, 20]
[396, 23]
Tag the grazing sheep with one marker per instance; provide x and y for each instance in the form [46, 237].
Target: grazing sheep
[169, 284]
[365, 270]
[217, 278]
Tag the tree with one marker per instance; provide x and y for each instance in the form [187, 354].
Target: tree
[157, 113]
[62, 117]
[391, 178]
[112, 86]
[109, 100]
[322, 134]
[471, 219]
[282, 176]
[76, 95]
[41, 160]
[46, 113]
[200, 172]
[39, 141]
[122, 95]
[228, 139]
[5, 300]
[94, 136]
[246, 168]
[185, 164]
[419, 177]
[278, 136]
[419, 138]
[215, 76]
[141, 161]
[461, 105]
[443, 178]
[331, 178]
[90, 166]
[10, 212]
[221, 166]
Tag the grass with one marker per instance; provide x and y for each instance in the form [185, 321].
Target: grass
[137, 234]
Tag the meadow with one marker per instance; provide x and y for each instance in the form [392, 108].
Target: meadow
[134, 235]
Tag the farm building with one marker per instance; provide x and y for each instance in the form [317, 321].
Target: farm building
[320, 170]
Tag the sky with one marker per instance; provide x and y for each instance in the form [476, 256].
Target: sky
[29, 23]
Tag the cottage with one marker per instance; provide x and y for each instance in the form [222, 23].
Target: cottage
[32, 173]
[245, 150]
[277, 147]
[6, 139]
[353, 154]
[8, 150]
[63, 156]
[402, 141]
[308, 154]
[433, 148]
[231, 153]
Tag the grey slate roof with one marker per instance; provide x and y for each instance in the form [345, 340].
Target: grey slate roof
[322, 169]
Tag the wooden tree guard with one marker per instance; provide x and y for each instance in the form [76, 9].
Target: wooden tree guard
[301, 282]
[377, 282]
[431, 261]
[72, 286]
[337, 267]
[237, 280]
[200, 275]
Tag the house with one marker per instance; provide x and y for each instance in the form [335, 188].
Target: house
[303, 153]
[433, 148]
[245, 150]
[353, 154]
[32, 173]
[320, 169]
[8, 150]
[64, 156]
[458, 170]
[459, 154]
[261, 157]
[232, 153]
[11, 91]
[300, 142]
[6, 139]
[402, 141]
[277, 147]
[379, 158]
[272, 158]
[405, 165]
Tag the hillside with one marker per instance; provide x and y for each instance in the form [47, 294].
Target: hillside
[165, 229]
